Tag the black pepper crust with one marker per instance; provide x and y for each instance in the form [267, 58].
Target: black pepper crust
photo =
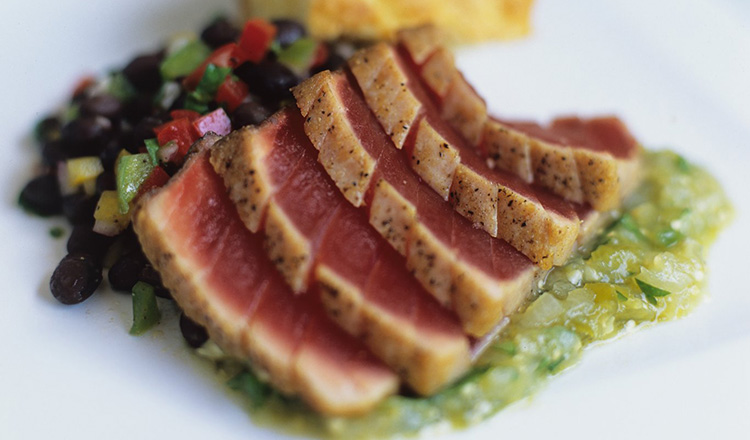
[431, 259]
[243, 174]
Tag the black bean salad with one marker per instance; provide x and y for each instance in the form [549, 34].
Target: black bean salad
[127, 133]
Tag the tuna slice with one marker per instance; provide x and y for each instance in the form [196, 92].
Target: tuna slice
[481, 278]
[218, 273]
[599, 153]
[320, 242]
[539, 224]
[584, 161]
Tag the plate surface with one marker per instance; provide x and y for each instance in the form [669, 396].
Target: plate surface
[675, 71]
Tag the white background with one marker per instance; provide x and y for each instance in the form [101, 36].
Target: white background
[678, 72]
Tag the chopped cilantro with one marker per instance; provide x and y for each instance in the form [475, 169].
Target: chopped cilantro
[508, 347]
[628, 222]
[651, 292]
[120, 87]
[249, 385]
[682, 164]
[669, 237]
[56, 232]
[212, 78]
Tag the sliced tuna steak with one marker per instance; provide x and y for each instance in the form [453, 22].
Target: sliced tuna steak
[585, 161]
[598, 154]
[254, 177]
[479, 277]
[537, 223]
[218, 273]
[319, 241]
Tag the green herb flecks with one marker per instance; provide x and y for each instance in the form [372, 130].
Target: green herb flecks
[508, 347]
[56, 232]
[628, 222]
[651, 292]
[204, 93]
[682, 164]
[669, 237]
[119, 87]
[249, 385]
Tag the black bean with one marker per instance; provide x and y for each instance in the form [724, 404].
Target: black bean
[195, 334]
[105, 182]
[288, 31]
[52, 153]
[334, 62]
[85, 136]
[126, 271]
[171, 168]
[79, 208]
[219, 33]
[84, 240]
[129, 242]
[143, 72]
[124, 135]
[42, 196]
[145, 129]
[151, 276]
[138, 108]
[249, 113]
[109, 153]
[270, 80]
[75, 278]
[162, 292]
[102, 105]
[48, 129]
[179, 102]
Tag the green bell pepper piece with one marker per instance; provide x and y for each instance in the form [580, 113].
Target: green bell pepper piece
[131, 171]
[145, 310]
[185, 60]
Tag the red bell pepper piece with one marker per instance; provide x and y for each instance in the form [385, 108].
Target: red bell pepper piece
[217, 121]
[255, 40]
[232, 92]
[156, 179]
[225, 56]
[83, 84]
[321, 55]
[181, 131]
[191, 115]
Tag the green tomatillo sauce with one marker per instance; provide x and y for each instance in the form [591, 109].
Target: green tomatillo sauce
[647, 267]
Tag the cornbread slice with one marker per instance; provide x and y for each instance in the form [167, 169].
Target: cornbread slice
[463, 20]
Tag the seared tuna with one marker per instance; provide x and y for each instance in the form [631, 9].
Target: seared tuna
[481, 278]
[218, 273]
[585, 161]
[599, 153]
[540, 225]
[320, 242]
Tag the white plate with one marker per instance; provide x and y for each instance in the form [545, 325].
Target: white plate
[677, 72]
